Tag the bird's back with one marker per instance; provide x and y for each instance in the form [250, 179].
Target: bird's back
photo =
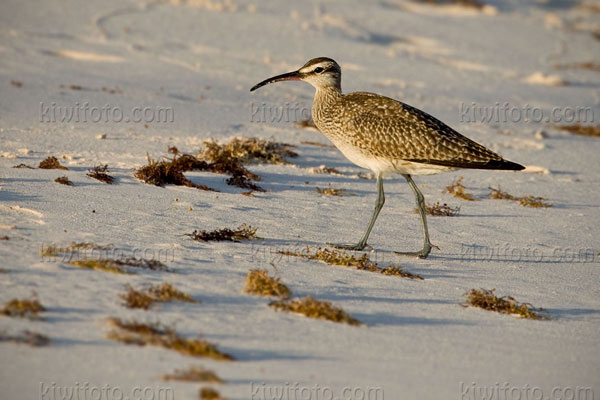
[385, 128]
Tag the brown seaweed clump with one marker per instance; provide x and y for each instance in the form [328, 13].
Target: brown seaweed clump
[487, 300]
[208, 393]
[51, 163]
[243, 232]
[332, 192]
[72, 254]
[341, 258]
[457, 189]
[582, 130]
[443, 210]
[164, 293]
[193, 374]
[525, 201]
[228, 158]
[464, 3]
[63, 180]
[248, 150]
[100, 173]
[119, 266]
[23, 308]
[313, 308]
[260, 283]
[156, 334]
[161, 173]
[27, 337]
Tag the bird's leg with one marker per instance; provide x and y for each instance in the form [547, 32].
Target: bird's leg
[427, 246]
[378, 206]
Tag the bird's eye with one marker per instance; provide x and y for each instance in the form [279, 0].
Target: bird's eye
[318, 70]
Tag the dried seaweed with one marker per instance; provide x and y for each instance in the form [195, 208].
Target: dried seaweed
[208, 393]
[64, 180]
[161, 173]
[590, 65]
[99, 173]
[260, 283]
[457, 189]
[317, 309]
[30, 338]
[52, 250]
[228, 158]
[340, 258]
[248, 150]
[118, 266]
[244, 183]
[487, 300]
[525, 201]
[193, 374]
[105, 265]
[582, 130]
[51, 163]
[156, 334]
[438, 210]
[465, 3]
[23, 308]
[243, 232]
[332, 192]
[144, 299]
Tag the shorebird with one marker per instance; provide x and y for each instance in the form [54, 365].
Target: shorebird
[388, 137]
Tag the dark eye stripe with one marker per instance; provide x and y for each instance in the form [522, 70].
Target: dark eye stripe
[320, 70]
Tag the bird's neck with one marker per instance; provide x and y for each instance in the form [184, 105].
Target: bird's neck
[326, 96]
[325, 100]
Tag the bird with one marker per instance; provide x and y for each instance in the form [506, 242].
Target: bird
[388, 137]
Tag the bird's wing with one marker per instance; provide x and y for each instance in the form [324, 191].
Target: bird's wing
[391, 129]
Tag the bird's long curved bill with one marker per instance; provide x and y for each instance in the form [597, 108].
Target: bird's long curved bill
[290, 76]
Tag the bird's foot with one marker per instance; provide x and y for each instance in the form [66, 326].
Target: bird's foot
[420, 254]
[355, 247]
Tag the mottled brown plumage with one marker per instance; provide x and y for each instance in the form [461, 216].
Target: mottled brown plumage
[401, 132]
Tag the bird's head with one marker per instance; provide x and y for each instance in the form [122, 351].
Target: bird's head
[320, 72]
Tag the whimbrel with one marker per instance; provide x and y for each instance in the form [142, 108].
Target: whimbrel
[387, 136]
